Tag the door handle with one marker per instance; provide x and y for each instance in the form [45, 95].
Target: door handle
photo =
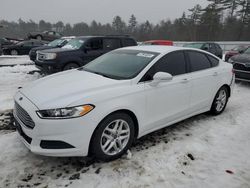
[185, 80]
[215, 74]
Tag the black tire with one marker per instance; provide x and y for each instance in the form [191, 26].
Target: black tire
[96, 150]
[13, 52]
[215, 110]
[70, 66]
[39, 37]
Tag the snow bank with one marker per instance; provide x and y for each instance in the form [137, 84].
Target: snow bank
[10, 79]
[14, 60]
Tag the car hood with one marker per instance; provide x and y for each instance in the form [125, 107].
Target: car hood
[9, 46]
[242, 58]
[65, 88]
[232, 52]
[57, 50]
[42, 48]
[34, 33]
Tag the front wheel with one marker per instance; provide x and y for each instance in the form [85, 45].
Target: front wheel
[113, 137]
[70, 66]
[13, 52]
[220, 101]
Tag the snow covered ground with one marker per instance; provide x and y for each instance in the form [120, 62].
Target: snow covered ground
[203, 151]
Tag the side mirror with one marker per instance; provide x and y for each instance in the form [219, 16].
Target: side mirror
[205, 48]
[241, 51]
[161, 77]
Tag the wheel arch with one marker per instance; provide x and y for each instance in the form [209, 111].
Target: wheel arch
[72, 61]
[126, 111]
[228, 89]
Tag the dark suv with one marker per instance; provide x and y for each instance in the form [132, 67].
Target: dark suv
[79, 51]
[58, 43]
[211, 47]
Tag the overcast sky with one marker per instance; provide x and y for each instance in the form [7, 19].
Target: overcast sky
[74, 11]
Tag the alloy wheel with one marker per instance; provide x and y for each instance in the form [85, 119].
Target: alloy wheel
[221, 100]
[115, 137]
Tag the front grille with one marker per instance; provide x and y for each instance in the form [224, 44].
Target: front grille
[241, 66]
[20, 131]
[24, 116]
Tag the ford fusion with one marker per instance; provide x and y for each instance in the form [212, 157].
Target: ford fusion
[101, 108]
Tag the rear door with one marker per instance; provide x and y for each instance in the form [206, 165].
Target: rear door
[167, 101]
[25, 48]
[204, 78]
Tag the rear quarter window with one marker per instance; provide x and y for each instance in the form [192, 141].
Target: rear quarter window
[214, 61]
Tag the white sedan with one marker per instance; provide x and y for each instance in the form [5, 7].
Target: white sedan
[101, 108]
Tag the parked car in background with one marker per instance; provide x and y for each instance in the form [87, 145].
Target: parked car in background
[241, 65]
[79, 51]
[22, 48]
[102, 107]
[158, 42]
[58, 43]
[235, 51]
[4, 42]
[46, 35]
[211, 47]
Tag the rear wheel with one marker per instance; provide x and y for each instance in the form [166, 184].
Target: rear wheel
[220, 101]
[70, 66]
[113, 137]
[14, 52]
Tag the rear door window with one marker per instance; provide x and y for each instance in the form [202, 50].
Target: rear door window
[198, 61]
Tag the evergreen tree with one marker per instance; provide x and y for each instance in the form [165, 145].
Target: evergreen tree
[132, 24]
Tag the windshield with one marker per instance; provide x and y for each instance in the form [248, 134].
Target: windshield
[247, 51]
[74, 44]
[121, 64]
[193, 45]
[57, 42]
[239, 48]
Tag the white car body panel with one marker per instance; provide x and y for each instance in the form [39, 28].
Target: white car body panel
[153, 106]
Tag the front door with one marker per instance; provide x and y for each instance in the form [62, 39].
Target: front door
[168, 101]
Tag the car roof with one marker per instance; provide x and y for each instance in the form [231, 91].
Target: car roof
[158, 41]
[103, 36]
[158, 48]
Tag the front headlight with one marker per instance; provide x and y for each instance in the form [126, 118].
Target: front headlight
[49, 56]
[63, 113]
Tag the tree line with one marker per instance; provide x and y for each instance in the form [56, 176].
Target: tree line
[220, 20]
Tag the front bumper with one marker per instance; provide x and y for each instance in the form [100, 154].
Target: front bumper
[32, 55]
[241, 75]
[75, 132]
[48, 66]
